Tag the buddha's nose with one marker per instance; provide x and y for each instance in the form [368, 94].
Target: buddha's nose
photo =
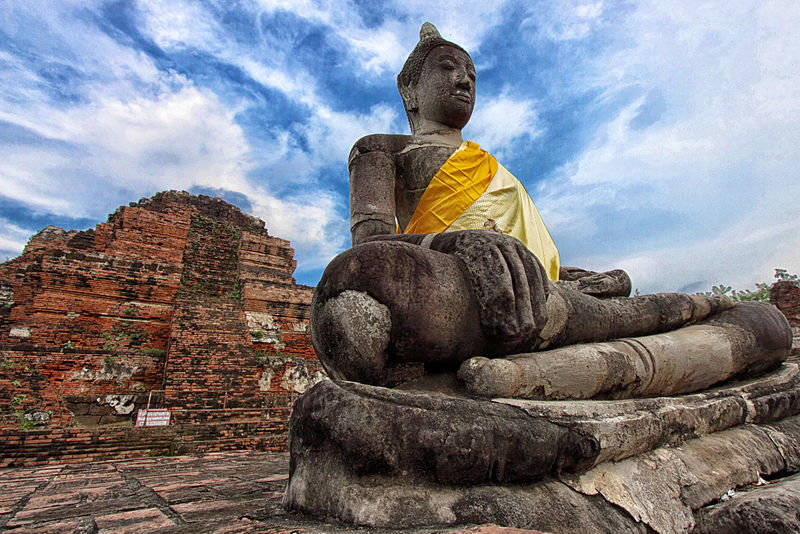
[462, 79]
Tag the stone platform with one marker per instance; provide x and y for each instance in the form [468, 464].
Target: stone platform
[385, 457]
[240, 492]
[232, 492]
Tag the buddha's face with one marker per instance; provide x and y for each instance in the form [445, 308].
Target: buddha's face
[445, 92]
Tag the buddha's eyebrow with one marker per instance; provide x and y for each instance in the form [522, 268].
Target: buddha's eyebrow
[447, 56]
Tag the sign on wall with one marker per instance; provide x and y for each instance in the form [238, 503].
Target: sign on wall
[153, 418]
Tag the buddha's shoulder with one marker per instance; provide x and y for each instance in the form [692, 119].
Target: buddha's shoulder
[388, 143]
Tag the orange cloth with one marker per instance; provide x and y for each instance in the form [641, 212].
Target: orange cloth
[456, 185]
[473, 192]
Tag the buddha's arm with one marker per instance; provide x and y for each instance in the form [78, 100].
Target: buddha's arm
[614, 283]
[509, 284]
[372, 178]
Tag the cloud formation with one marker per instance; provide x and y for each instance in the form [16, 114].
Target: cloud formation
[658, 138]
[704, 141]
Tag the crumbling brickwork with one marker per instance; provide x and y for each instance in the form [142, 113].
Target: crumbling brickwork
[785, 295]
[72, 445]
[176, 292]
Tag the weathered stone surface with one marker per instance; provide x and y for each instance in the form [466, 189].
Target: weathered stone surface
[647, 487]
[360, 331]
[379, 431]
[772, 508]
[434, 458]
[494, 529]
[391, 503]
[474, 293]
[745, 340]
[663, 487]
[633, 426]
[785, 434]
[615, 283]
[399, 277]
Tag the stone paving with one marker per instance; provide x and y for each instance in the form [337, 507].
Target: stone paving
[232, 492]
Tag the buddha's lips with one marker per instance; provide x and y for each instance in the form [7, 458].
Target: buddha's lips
[462, 96]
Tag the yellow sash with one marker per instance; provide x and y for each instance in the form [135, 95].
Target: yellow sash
[456, 185]
[472, 192]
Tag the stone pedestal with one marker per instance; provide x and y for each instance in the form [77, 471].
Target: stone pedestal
[387, 458]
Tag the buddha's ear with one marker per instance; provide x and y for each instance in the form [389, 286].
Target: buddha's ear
[409, 96]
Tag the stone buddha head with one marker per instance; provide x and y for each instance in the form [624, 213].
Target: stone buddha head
[437, 83]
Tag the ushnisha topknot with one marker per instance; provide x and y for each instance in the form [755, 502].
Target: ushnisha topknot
[429, 39]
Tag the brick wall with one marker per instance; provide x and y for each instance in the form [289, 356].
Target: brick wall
[786, 296]
[70, 445]
[176, 292]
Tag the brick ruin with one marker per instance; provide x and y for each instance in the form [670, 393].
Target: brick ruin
[179, 299]
[785, 294]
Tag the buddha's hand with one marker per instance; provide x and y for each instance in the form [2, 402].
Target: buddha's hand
[509, 283]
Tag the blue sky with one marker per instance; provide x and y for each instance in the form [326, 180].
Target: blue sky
[659, 137]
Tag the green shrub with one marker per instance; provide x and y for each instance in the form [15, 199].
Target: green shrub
[25, 422]
[761, 292]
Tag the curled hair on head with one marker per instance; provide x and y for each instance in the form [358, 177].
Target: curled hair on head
[429, 39]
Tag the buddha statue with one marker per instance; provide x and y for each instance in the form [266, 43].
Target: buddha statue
[452, 268]
[453, 295]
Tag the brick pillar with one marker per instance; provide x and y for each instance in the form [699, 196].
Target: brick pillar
[786, 296]
[210, 360]
[210, 363]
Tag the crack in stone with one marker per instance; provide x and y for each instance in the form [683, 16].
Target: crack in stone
[156, 500]
[24, 500]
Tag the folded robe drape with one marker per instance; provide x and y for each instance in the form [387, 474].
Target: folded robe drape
[471, 191]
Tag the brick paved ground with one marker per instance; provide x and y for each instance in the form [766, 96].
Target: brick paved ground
[232, 492]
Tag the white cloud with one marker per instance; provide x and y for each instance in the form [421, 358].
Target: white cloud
[178, 24]
[465, 22]
[331, 134]
[309, 222]
[722, 154]
[747, 253]
[136, 130]
[173, 140]
[500, 121]
[384, 48]
[13, 239]
[270, 64]
[565, 20]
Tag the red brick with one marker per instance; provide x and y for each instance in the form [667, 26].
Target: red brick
[174, 272]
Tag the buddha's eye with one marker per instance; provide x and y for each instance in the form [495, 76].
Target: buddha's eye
[447, 65]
